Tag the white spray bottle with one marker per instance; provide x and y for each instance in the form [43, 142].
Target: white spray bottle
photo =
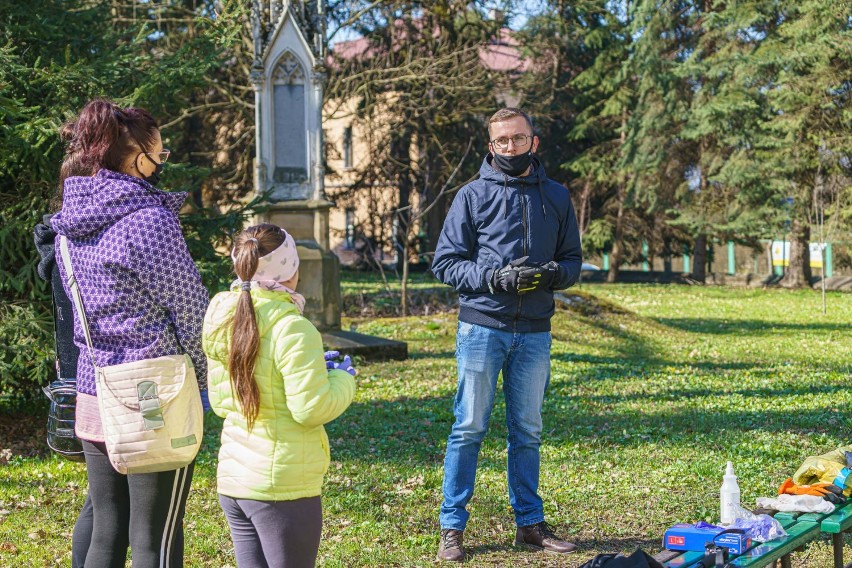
[730, 495]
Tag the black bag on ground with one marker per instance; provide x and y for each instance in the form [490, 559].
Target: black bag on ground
[639, 559]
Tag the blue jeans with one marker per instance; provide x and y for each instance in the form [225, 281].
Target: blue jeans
[524, 358]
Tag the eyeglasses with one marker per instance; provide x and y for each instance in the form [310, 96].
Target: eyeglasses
[519, 140]
[162, 157]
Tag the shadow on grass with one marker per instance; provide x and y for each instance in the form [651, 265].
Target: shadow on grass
[415, 430]
[746, 327]
[627, 345]
[680, 394]
[629, 365]
[508, 554]
[421, 425]
[435, 355]
[622, 545]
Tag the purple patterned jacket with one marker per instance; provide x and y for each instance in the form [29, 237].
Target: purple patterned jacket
[141, 291]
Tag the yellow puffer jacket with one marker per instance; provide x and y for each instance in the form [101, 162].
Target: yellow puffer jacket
[286, 454]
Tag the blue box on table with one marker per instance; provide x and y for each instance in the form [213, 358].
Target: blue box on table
[684, 536]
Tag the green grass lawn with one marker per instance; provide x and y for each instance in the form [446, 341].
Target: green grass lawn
[654, 388]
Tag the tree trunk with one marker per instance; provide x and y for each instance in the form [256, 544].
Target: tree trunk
[699, 259]
[798, 274]
[615, 257]
[434, 220]
[621, 195]
[404, 287]
[400, 153]
[699, 253]
[583, 207]
[667, 255]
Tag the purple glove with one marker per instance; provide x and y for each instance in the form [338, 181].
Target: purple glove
[329, 357]
[346, 365]
[205, 401]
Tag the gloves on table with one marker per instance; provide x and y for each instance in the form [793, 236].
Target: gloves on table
[828, 491]
[796, 503]
[345, 365]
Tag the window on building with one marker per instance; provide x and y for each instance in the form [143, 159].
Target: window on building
[347, 147]
[350, 227]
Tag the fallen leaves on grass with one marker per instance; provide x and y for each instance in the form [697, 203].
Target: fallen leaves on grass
[409, 485]
[22, 435]
[8, 547]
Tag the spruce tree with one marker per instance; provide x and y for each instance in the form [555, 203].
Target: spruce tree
[606, 97]
[808, 58]
[659, 157]
[54, 57]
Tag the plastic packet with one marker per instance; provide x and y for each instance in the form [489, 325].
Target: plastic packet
[758, 527]
[742, 513]
[705, 525]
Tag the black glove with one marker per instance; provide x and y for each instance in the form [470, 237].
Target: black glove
[834, 495]
[506, 279]
[538, 277]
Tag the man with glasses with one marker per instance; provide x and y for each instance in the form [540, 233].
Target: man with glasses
[509, 240]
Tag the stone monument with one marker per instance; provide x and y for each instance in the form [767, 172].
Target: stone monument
[287, 74]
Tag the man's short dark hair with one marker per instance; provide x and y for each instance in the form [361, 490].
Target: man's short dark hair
[509, 113]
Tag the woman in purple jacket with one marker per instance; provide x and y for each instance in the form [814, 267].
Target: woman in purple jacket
[143, 299]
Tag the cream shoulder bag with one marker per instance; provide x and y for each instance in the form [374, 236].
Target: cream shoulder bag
[150, 410]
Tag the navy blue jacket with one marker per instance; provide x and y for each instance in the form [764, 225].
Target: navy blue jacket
[497, 219]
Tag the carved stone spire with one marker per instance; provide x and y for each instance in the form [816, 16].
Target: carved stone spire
[309, 16]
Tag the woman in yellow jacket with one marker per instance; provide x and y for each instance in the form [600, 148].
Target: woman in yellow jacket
[269, 380]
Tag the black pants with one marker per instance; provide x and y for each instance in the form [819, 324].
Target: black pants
[274, 534]
[82, 535]
[143, 510]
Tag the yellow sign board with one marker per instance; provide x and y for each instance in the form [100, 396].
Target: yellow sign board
[780, 251]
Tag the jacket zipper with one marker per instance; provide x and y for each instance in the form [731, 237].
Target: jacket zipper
[521, 196]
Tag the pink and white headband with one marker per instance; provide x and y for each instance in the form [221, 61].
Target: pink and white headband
[279, 265]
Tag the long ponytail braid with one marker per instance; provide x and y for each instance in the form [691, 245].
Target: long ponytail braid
[249, 246]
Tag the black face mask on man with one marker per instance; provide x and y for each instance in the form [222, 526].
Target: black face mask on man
[154, 178]
[513, 165]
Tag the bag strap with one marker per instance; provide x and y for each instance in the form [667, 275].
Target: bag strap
[75, 295]
[53, 311]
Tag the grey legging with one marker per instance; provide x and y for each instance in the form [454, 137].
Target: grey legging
[274, 534]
